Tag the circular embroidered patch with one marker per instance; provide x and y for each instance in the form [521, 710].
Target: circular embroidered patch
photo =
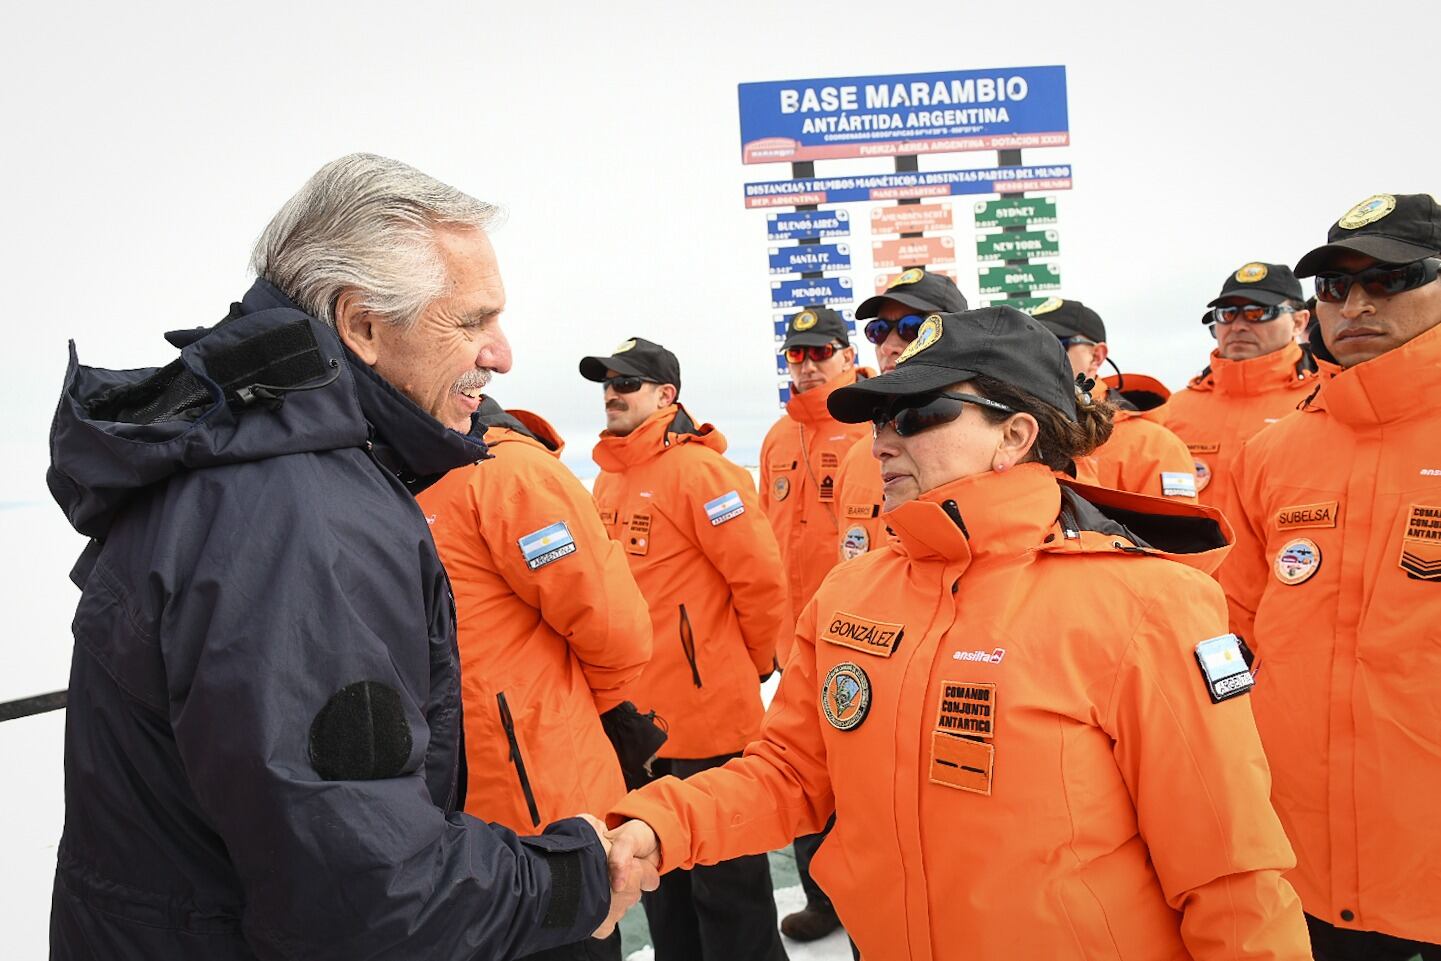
[929, 333]
[781, 488]
[846, 696]
[910, 276]
[624, 346]
[856, 542]
[1297, 561]
[1368, 211]
[1203, 474]
[1251, 274]
[804, 320]
[1047, 305]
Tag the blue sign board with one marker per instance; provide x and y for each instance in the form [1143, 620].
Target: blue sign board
[809, 291]
[1008, 108]
[810, 258]
[808, 223]
[901, 186]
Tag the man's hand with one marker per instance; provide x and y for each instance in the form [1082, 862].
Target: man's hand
[633, 842]
[629, 875]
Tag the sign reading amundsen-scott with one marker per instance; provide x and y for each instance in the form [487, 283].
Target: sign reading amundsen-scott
[1004, 109]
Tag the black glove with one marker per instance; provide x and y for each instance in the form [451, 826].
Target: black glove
[636, 738]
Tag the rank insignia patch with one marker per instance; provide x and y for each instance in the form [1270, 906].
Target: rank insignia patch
[1297, 561]
[547, 545]
[1421, 543]
[1224, 668]
[846, 696]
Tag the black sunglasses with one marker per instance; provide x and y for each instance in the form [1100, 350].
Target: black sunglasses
[625, 384]
[1076, 340]
[1383, 281]
[1250, 313]
[911, 415]
[908, 326]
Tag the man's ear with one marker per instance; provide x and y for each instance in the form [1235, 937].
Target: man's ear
[1018, 439]
[1099, 353]
[1299, 320]
[358, 328]
[667, 395]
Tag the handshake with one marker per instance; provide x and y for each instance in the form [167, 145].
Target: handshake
[633, 853]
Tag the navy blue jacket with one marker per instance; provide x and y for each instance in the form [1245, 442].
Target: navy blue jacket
[262, 741]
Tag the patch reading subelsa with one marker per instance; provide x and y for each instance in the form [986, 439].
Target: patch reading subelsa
[1307, 515]
[880, 638]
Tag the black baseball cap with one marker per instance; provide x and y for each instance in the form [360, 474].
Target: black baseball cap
[918, 288]
[1069, 318]
[999, 342]
[636, 357]
[1392, 228]
[815, 327]
[1264, 284]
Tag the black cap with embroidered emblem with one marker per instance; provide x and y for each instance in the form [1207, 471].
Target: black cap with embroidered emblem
[999, 342]
[1264, 284]
[1070, 318]
[1391, 228]
[920, 289]
[816, 327]
[635, 357]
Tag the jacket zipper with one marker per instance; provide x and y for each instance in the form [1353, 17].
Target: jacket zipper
[687, 645]
[507, 722]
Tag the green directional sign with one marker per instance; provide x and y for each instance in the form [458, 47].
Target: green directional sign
[1027, 304]
[1006, 280]
[1016, 212]
[1018, 246]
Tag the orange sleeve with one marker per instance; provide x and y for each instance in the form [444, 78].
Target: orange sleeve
[1246, 572]
[778, 790]
[588, 596]
[1160, 453]
[743, 549]
[1200, 785]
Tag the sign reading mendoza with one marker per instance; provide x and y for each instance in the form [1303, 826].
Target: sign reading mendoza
[907, 185]
[546, 545]
[1003, 109]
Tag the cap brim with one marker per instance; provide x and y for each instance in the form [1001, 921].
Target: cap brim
[1382, 249]
[810, 339]
[594, 368]
[1266, 298]
[855, 403]
[872, 306]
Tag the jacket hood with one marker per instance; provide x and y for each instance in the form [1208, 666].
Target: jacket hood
[495, 425]
[1279, 370]
[666, 428]
[267, 380]
[1135, 392]
[1401, 384]
[810, 407]
[1030, 509]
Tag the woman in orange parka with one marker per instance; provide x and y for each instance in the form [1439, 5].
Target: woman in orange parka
[1012, 776]
[549, 631]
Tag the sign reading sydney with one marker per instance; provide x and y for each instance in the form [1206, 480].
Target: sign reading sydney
[1003, 109]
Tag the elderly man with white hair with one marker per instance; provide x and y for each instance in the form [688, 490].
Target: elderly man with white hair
[262, 752]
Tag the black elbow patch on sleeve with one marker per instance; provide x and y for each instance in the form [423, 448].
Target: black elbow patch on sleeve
[361, 734]
[565, 875]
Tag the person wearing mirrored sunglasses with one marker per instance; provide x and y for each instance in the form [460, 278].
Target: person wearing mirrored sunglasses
[705, 559]
[1025, 712]
[1258, 373]
[1142, 456]
[1336, 583]
[801, 453]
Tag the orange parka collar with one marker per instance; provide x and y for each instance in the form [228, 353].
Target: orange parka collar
[522, 426]
[1278, 370]
[986, 513]
[667, 426]
[810, 407]
[1401, 384]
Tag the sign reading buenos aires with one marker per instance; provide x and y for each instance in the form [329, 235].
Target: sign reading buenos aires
[1007, 108]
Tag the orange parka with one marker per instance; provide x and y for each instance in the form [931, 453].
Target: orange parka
[1336, 583]
[1142, 456]
[1228, 403]
[704, 556]
[1005, 710]
[800, 458]
[548, 632]
[859, 498]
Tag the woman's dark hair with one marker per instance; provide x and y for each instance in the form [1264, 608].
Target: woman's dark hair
[1060, 440]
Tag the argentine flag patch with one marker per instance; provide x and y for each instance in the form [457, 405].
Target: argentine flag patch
[1224, 668]
[1178, 484]
[724, 508]
[546, 545]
